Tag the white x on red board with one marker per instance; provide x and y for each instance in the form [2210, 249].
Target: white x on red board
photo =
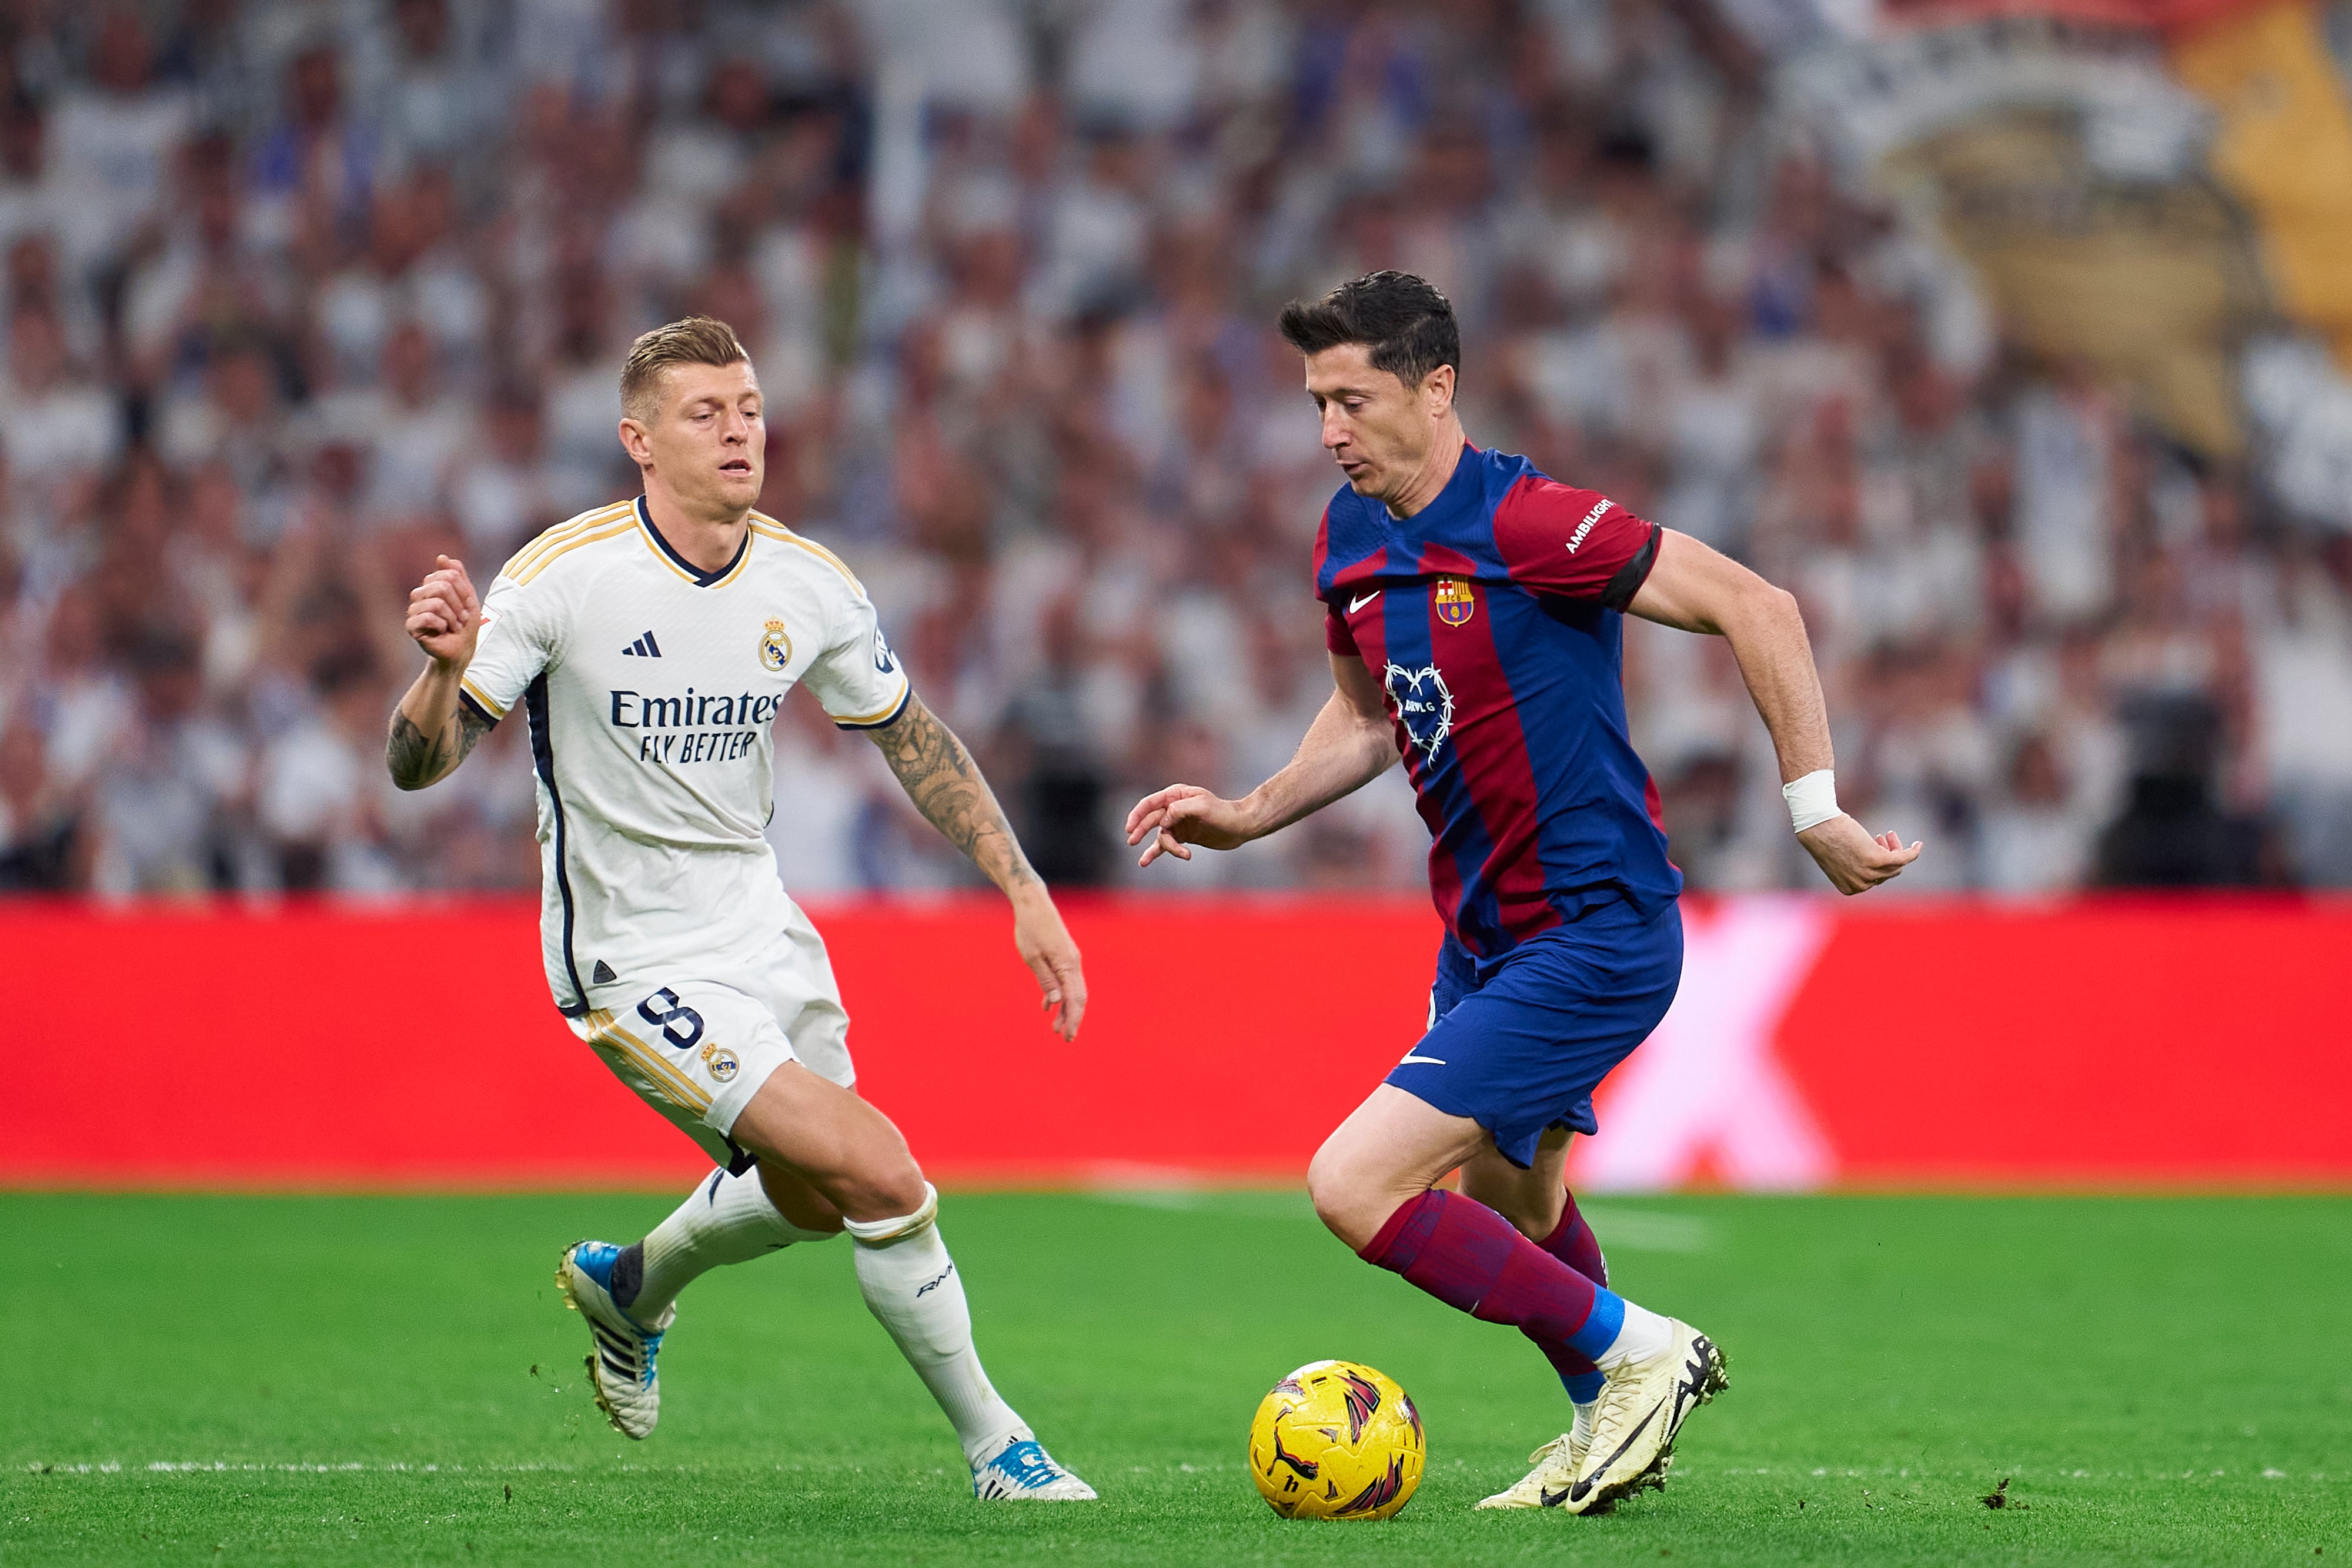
[1706, 1086]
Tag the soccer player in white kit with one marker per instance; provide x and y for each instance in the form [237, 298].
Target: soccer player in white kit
[649, 643]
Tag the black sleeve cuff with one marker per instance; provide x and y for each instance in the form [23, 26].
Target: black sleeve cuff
[1632, 574]
[489, 720]
[886, 720]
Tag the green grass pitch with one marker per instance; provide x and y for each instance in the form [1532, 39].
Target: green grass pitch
[378, 1379]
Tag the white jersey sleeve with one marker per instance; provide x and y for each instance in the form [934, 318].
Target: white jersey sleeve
[857, 676]
[518, 640]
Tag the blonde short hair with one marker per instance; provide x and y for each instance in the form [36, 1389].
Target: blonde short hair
[695, 340]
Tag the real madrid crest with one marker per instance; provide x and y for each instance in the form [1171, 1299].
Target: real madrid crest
[775, 648]
[1455, 603]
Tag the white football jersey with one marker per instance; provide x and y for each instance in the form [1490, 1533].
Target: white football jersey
[650, 687]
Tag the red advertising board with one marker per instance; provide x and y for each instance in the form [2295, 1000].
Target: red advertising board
[1815, 1043]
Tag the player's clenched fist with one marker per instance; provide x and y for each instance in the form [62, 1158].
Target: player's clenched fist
[444, 614]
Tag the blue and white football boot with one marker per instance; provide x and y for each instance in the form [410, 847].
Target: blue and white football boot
[621, 1371]
[1019, 1469]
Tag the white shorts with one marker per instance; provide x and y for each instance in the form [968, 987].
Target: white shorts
[696, 1045]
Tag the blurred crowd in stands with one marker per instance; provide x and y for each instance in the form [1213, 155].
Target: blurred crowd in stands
[296, 295]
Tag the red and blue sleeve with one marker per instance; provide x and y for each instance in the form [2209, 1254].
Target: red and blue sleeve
[1336, 633]
[1575, 544]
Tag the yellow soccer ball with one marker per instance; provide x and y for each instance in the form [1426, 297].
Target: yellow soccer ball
[1336, 1440]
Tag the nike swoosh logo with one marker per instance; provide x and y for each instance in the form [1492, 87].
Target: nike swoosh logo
[1551, 1498]
[1583, 1486]
[1432, 1061]
[1356, 605]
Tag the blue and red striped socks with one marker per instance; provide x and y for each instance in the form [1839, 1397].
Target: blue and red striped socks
[1474, 1260]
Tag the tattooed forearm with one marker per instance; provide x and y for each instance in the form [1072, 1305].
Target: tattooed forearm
[413, 757]
[945, 785]
[417, 759]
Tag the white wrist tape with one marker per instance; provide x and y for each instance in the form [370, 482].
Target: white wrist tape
[1812, 799]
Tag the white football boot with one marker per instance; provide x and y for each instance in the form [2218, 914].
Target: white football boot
[621, 1371]
[1546, 1486]
[1642, 1406]
[1019, 1469]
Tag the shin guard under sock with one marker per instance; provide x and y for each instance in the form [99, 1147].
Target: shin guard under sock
[911, 1286]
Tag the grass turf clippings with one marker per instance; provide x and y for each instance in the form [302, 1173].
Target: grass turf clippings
[383, 1379]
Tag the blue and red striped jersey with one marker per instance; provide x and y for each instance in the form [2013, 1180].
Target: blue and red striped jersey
[1494, 620]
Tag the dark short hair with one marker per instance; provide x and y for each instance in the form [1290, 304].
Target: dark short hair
[1405, 321]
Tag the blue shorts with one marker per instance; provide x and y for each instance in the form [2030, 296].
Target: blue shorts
[1518, 1044]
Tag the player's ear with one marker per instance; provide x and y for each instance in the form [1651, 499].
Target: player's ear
[634, 441]
[1437, 391]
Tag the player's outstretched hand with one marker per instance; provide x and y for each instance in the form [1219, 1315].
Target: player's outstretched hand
[1852, 858]
[443, 615]
[1044, 945]
[1185, 814]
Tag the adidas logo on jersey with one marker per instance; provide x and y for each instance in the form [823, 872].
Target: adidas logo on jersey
[644, 647]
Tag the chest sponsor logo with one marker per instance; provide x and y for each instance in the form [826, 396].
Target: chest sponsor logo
[1453, 601]
[1424, 706]
[775, 647]
[698, 726]
[1585, 527]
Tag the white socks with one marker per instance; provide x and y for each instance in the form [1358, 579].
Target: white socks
[1643, 1334]
[912, 1285]
[726, 1219]
[904, 1272]
[1587, 1414]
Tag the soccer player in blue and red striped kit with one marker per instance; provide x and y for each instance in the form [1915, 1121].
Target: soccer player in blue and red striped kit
[1474, 611]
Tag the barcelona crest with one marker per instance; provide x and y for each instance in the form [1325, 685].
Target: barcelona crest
[1455, 603]
[775, 648]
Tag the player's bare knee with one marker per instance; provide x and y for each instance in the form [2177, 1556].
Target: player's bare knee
[887, 1189]
[1340, 1220]
[1330, 1208]
[1325, 1184]
[904, 1190]
[1350, 1202]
